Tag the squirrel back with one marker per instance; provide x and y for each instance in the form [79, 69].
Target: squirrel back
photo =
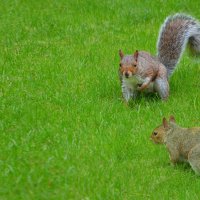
[169, 131]
[175, 33]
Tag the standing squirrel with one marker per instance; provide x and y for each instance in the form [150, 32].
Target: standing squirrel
[183, 144]
[142, 71]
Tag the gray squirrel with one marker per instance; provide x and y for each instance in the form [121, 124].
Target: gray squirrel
[142, 71]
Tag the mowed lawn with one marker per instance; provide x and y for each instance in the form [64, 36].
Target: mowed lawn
[65, 132]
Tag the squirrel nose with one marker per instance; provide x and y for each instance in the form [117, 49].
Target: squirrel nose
[126, 74]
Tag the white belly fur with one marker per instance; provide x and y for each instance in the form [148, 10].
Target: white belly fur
[133, 82]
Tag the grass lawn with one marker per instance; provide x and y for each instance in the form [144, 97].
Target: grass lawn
[65, 131]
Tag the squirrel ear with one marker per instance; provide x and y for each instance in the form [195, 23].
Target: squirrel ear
[165, 123]
[172, 119]
[135, 55]
[121, 54]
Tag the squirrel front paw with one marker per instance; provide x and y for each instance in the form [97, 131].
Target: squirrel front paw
[140, 87]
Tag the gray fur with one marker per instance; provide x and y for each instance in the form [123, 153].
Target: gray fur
[175, 33]
[161, 85]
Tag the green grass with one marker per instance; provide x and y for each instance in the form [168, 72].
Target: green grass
[65, 132]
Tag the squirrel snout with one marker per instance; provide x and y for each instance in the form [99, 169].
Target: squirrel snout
[126, 74]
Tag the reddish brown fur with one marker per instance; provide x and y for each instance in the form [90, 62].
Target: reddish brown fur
[136, 55]
[128, 69]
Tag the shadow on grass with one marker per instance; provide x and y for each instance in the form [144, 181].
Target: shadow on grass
[144, 99]
[182, 166]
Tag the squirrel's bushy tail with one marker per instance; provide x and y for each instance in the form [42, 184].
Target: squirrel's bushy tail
[176, 32]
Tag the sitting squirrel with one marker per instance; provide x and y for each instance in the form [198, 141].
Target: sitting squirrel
[142, 71]
[183, 144]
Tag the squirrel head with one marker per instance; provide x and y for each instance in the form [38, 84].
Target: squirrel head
[128, 64]
[159, 132]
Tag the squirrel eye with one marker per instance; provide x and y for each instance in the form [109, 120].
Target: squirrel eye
[155, 133]
[120, 64]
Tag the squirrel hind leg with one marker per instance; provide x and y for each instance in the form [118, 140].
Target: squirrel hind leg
[194, 159]
[161, 86]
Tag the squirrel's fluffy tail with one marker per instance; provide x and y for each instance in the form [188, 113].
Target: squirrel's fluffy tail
[176, 32]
